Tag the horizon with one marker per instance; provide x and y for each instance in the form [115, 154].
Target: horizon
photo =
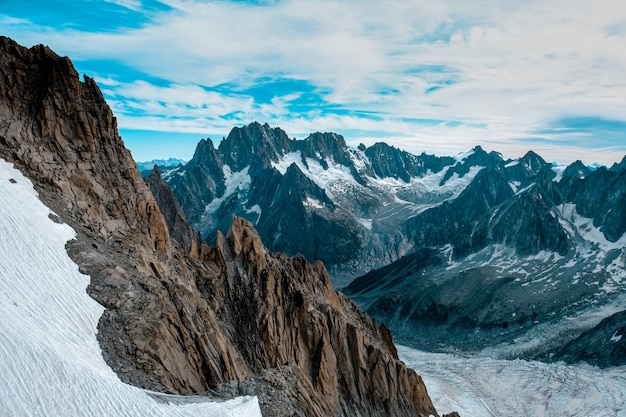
[439, 77]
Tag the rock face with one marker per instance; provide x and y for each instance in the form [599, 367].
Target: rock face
[176, 221]
[180, 316]
[603, 346]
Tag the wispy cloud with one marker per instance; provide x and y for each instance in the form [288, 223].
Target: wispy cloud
[500, 74]
[129, 4]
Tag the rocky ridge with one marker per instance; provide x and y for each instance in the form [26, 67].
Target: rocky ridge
[180, 316]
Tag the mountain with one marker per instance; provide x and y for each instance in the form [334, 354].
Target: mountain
[475, 252]
[178, 316]
[523, 263]
[349, 203]
[163, 164]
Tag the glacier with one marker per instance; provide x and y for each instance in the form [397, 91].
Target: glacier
[480, 386]
[50, 360]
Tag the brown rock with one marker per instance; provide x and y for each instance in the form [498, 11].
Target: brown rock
[235, 319]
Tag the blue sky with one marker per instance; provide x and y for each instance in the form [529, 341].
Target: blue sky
[437, 76]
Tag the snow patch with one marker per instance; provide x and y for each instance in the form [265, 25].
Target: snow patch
[515, 185]
[584, 226]
[50, 360]
[255, 209]
[367, 223]
[460, 157]
[233, 181]
[558, 170]
[287, 160]
[312, 203]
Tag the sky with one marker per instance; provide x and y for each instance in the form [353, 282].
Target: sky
[423, 75]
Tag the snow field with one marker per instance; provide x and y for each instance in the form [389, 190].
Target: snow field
[50, 360]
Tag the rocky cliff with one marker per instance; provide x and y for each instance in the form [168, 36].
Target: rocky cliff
[180, 316]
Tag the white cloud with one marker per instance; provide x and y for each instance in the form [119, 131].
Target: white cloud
[129, 4]
[511, 66]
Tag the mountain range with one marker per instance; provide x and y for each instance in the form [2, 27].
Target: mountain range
[473, 253]
[147, 166]
[316, 197]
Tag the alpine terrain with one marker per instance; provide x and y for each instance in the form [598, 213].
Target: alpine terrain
[350, 204]
[520, 258]
[528, 261]
[175, 316]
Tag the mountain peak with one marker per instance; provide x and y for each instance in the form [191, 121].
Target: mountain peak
[253, 144]
[576, 170]
[619, 166]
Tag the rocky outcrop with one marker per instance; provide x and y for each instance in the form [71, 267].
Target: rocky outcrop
[290, 320]
[178, 226]
[603, 346]
[235, 318]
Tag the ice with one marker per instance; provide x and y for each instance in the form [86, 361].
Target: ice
[50, 360]
[484, 387]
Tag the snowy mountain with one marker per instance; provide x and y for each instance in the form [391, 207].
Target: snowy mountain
[163, 164]
[350, 203]
[521, 264]
[476, 251]
[50, 359]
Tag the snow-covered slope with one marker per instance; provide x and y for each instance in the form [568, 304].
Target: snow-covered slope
[483, 387]
[50, 360]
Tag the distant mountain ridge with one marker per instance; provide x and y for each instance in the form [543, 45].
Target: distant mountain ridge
[520, 264]
[147, 166]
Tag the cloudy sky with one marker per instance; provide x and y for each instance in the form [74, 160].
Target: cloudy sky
[424, 75]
